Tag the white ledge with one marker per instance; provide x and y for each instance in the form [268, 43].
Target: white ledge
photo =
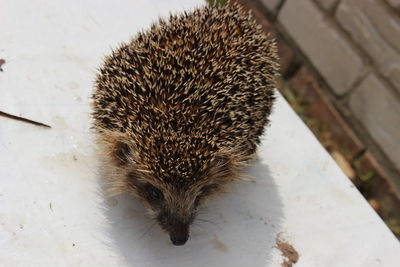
[51, 211]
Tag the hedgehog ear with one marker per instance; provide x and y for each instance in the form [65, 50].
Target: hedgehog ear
[221, 165]
[121, 152]
[118, 146]
[226, 165]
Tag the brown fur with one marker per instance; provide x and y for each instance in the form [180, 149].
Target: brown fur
[183, 106]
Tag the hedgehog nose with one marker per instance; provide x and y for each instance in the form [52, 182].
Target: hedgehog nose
[178, 240]
[179, 235]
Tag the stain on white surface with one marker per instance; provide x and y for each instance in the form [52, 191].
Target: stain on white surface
[218, 245]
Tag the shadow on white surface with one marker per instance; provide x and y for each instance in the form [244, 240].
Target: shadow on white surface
[241, 228]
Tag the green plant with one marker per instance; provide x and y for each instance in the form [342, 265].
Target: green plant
[217, 2]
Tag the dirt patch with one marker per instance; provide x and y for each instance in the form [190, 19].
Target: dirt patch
[2, 61]
[218, 245]
[288, 251]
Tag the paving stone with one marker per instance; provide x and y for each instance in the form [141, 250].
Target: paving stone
[326, 48]
[394, 3]
[394, 74]
[378, 110]
[327, 4]
[271, 5]
[376, 30]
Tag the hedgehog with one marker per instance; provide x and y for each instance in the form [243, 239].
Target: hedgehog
[179, 110]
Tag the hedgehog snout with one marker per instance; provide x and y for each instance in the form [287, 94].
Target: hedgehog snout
[177, 228]
[179, 234]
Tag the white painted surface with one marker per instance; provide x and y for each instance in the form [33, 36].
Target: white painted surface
[52, 212]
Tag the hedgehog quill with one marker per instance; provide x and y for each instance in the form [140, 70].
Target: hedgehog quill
[179, 110]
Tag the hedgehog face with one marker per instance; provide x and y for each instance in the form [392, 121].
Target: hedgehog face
[173, 206]
[173, 210]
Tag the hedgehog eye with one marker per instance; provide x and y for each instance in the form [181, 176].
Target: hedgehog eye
[208, 189]
[205, 191]
[153, 192]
